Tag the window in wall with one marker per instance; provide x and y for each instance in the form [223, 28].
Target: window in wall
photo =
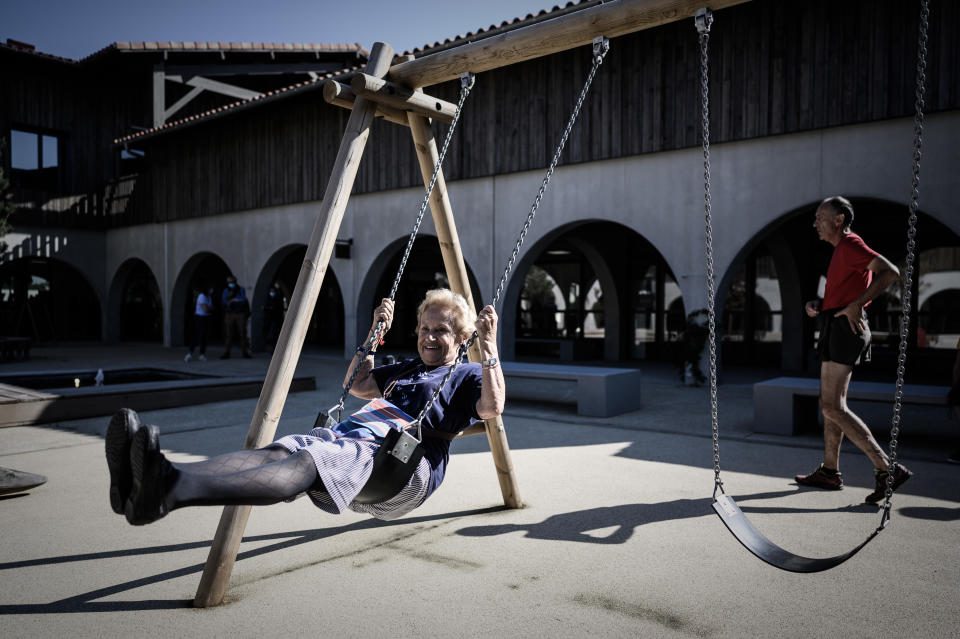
[562, 296]
[753, 312]
[35, 160]
[131, 161]
[752, 319]
[938, 298]
[560, 315]
[24, 153]
[657, 309]
[542, 305]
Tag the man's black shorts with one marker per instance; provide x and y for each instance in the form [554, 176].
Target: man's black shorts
[838, 343]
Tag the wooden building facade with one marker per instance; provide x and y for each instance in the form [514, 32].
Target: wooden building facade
[77, 109]
[776, 68]
[813, 88]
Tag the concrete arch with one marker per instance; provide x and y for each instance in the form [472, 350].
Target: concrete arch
[605, 267]
[383, 267]
[131, 268]
[265, 280]
[270, 274]
[182, 295]
[49, 300]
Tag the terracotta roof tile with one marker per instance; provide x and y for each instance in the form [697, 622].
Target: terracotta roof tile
[230, 46]
[508, 25]
[34, 52]
[314, 83]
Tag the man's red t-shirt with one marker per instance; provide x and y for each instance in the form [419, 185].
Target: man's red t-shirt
[847, 275]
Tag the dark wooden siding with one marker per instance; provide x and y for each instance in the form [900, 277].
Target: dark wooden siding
[777, 67]
[90, 103]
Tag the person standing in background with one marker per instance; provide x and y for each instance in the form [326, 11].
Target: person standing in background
[236, 309]
[272, 317]
[202, 313]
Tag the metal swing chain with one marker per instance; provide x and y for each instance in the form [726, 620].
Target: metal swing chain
[601, 46]
[911, 252]
[703, 20]
[466, 84]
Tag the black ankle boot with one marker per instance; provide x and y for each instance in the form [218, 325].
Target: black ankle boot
[120, 432]
[151, 473]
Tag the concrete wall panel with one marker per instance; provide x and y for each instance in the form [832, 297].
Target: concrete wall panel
[660, 196]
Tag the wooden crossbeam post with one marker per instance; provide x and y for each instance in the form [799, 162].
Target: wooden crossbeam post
[456, 269]
[226, 543]
[568, 31]
[343, 96]
[400, 97]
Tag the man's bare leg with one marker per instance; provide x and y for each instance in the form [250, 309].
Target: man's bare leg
[838, 420]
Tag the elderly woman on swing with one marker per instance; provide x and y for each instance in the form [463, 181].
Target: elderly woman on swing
[331, 465]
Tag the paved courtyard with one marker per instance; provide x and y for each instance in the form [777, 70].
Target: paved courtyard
[617, 539]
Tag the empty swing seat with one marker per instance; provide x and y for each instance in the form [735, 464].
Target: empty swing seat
[754, 541]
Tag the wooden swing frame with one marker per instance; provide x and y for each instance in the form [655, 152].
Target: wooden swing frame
[392, 92]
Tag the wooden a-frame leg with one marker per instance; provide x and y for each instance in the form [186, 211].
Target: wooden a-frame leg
[226, 543]
[457, 274]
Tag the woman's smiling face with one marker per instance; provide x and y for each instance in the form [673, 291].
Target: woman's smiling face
[436, 337]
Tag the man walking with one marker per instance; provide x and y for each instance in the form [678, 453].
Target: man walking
[856, 275]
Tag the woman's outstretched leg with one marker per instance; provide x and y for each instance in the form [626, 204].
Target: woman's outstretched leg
[232, 462]
[160, 486]
[253, 486]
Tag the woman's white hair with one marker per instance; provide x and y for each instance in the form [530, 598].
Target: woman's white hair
[464, 317]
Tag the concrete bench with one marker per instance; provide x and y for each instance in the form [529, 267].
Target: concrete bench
[782, 404]
[597, 392]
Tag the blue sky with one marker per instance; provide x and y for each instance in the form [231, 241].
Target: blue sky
[77, 28]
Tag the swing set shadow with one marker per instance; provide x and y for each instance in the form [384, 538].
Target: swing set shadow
[87, 602]
[570, 526]
[575, 526]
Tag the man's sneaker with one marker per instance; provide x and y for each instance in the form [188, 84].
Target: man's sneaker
[822, 478]
[900, 475]
[18, 481]
[187, 357]
[202, 357]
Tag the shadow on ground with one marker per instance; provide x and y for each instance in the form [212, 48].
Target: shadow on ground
[87, 602]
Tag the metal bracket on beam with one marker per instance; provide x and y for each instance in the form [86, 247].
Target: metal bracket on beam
[600, 46]
[703, 18]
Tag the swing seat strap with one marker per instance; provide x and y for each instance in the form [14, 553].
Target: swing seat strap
[393, 466]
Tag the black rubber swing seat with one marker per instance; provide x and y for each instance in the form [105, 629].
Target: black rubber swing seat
[754, 541]
[391, 473]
